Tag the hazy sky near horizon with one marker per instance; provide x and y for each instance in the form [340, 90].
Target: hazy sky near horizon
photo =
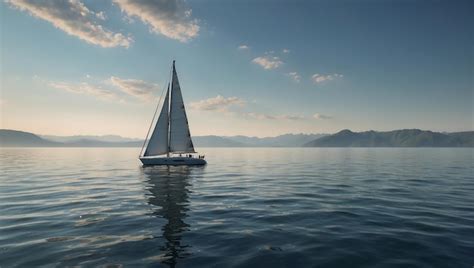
[259, 68]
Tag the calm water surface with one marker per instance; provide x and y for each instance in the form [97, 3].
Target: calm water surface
[251, 207]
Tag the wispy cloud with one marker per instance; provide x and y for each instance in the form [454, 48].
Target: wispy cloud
[290, 117]
[222, 105]
[320, 78]
[260, 116]
[101, 15]
[86, 89]
[74, 18]
[268, 62]
[218, 103]
[243, 47]
[295, 76]
[286, 50]
[136, 88]
[110, 89]
[170, 18]
[321, 116]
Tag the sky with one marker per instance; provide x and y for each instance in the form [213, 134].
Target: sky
[256, 68]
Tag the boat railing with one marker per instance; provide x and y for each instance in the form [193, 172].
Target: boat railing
[192, 156]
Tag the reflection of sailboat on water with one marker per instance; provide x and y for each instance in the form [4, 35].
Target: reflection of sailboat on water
[171, 132]
[168, 187]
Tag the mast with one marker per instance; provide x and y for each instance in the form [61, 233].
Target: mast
[168, 125]
[169, 112]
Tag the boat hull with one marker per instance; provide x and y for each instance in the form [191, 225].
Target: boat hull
[172, 161]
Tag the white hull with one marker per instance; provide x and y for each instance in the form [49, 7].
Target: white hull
[172, 161]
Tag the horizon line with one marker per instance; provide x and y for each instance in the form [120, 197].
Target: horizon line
[250, 136]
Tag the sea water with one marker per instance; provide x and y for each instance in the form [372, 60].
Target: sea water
[248, 207]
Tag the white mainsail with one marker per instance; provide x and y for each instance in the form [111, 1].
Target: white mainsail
[171, 133]
[158, 143]
[180, 137]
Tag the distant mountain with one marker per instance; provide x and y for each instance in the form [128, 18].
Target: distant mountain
[216, 141]
[286, 140]
[78, 138]
[9, 138]
[345, 138]
[396, 138]
[20, 138]
[14, 138]
[98, 143]
[465, 137]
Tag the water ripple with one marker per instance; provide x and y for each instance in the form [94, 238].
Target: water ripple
[266, 207]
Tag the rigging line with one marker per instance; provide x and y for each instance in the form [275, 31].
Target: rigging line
[152, 120]
[170, 102]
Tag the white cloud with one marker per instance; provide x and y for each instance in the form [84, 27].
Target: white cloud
[167, 17]
[74, 18]
[132, 87]
[136, 88]
[295, 76]
[286, 51]
[218, 103]
[243, 47]
[128, 20]
[290, 117]
[319, 78]
[222, 105]
[321, 116]
[86, 89]
[101, 15]
[268, 62]
[260, 116]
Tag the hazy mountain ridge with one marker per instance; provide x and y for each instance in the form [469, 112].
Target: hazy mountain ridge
[344, 138]
[216, 141]
[13, 138]
[395, 138]
[99, 143]
[77, 138]
[10, 138]
[285, 140]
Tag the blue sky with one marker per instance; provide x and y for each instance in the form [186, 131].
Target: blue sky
[260, 68]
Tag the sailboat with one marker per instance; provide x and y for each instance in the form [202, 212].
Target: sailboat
[170, 142]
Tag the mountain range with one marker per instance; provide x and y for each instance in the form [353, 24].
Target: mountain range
[396, 138]
[104, 138]
[14, 138]
[344, 138]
